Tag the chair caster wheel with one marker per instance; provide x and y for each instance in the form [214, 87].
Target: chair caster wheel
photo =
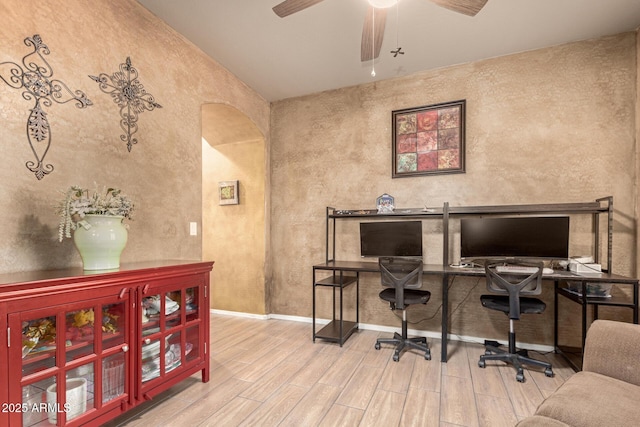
[481, 363]
[520, 377]
[377, 346]
[396, 357]
[548, 372]
[427, 356]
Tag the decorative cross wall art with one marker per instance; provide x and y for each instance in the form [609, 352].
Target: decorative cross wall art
[42, 89]
[127, 91]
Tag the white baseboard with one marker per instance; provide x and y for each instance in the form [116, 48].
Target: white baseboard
[240, 314]
[381, 328]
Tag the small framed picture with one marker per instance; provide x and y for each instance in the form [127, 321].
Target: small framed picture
[228, 192]
[385, 203]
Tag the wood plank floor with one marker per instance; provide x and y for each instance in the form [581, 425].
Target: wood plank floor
[270, 373]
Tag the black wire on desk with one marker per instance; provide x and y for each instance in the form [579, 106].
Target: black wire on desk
[465, 298]
[415, 322]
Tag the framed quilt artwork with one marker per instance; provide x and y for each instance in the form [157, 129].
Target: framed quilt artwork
[428, 140]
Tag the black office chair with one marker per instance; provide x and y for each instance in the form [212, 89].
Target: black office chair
[401, 276]
[513, 305]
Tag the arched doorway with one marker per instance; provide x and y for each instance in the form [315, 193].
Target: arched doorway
[234, 236]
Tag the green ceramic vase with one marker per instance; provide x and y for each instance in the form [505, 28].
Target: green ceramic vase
[100, 241]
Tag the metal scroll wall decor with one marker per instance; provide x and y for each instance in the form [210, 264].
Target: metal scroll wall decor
[39, 87]
[127, 91]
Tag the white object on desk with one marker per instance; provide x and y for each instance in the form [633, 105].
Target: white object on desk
[580, 268]
[521, 269]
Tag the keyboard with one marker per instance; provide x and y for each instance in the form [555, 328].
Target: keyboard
[521, 269]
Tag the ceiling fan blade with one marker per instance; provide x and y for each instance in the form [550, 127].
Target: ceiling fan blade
[370, 48]
[289, 7]
[468, 7]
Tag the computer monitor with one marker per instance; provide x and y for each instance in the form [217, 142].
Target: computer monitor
[517, 237]
[400, 238]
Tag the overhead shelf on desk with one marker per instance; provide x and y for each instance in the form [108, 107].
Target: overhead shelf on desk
[587, 207]
[373, 213]
[602, 205]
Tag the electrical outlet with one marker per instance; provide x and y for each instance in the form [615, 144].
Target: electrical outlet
[193, 228]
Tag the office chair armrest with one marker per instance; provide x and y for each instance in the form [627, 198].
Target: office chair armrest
[613, 349]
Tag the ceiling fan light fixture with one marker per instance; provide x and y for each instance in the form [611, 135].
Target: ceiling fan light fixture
[382, 4]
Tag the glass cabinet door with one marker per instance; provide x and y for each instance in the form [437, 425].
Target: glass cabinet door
[74, 360]
[194, 331]
[168, 330]
[114, 348]
[38, 344]
[39, 360]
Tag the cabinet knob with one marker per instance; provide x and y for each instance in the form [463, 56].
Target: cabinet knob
[147, 341]
[125, 348]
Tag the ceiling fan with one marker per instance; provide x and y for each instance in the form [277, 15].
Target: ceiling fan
[375, 18]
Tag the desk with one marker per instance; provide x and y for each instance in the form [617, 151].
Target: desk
[447, 272]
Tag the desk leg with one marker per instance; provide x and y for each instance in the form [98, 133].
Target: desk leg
[584, 316]
[313, 321]
[635, 303]
[555, 316]
[445, 318]
[358, 298]
[341, 304]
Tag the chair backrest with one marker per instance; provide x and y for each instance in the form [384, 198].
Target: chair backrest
[400, 273]
[514, 284]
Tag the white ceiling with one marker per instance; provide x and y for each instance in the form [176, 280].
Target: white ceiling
[318, 48]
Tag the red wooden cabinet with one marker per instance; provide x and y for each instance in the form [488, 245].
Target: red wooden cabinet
[81, 348]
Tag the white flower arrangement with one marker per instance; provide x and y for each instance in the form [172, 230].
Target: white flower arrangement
[78, 202]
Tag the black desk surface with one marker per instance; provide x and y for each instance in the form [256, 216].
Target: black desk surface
[372, 267]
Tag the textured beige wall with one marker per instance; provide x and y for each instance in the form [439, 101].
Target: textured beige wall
[163, 172]
[234, 235]
[552, 125]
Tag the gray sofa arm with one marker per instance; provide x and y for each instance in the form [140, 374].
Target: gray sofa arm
[613, 349]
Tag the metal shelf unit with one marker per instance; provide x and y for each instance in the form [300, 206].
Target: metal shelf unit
[338, 329]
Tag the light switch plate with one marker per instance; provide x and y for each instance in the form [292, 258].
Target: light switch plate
[193, 228]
